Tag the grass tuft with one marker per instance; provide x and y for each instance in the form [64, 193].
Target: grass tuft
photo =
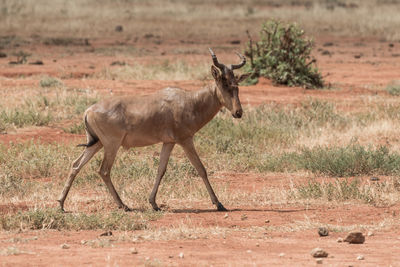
[351, 160]
[50, 218]
[20, 118]
[393, 89]
[344, 190]
[50, 82]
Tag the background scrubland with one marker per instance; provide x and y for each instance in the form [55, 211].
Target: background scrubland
[312, 151]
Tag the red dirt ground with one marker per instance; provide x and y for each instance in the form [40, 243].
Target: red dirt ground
[360, 66]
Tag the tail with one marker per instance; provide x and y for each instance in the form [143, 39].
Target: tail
[91, 136]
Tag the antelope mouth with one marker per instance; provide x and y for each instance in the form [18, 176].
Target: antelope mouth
[237, 114]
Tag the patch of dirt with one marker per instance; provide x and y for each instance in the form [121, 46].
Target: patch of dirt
[44, 135]
[272, 235]
[240, 245]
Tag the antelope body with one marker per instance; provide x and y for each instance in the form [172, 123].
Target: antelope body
[170, 116]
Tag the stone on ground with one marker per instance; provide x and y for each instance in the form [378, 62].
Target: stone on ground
[319, 253]
[355, 238]
[323, 231]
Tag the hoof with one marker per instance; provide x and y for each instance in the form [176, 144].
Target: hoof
[126, 208]
[61, 206]
[154, 205]
[221, 207]
[156, 208]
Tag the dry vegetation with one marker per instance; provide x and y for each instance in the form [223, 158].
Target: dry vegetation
[349, 17]
[325, 149]
[268, 139]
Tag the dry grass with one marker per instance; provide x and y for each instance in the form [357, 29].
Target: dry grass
[165, 70]
[31, 173]
[309, 224]
[175, 19]
[44, 106]
[253, 144]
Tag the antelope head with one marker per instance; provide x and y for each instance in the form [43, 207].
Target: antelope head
[228, 84]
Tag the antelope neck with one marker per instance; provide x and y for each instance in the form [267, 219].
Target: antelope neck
[206, 103]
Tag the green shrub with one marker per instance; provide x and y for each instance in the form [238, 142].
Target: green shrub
[339, 190]
[283, 55]
[10, 183]
[20, 118]
[50, 82]
[350, 161]
[75, 129]
[393, 89]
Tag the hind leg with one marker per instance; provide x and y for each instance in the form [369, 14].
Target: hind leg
[164, 157]
[76, 167]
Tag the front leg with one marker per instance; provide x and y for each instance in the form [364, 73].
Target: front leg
[164, 157]
[191, 153]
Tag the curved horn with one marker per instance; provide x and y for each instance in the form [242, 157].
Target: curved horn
[215, 60]
[240, 64]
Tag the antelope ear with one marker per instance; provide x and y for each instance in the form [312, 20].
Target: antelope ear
[242, 77]
[215, 73]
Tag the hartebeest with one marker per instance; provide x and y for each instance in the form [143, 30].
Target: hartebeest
[171, 116]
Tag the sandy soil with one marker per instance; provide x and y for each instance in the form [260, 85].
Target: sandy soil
[241, 245]
[362, 67]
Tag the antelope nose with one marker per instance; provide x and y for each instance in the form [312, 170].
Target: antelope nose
[238, 113]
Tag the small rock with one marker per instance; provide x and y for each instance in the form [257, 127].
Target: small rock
[118, 63]
[235, 42]
[119, 28]
[323, 231]
[108, 233]
[370, 233]
[319, 253]
[83, 242]
[374, 178]
[360, 257]
[282, 254]
[147, 258]
[133, 251]
[181, 255]
[339, 240]
[325, 53]
[355, 238]
[170, 256]
[257, 244]
[319, 261]
[148, 35]
[328, 44]
[244, 217]
[248, 251]
[267, 221]
[226, 215]
[65, 246]
[37, 62]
